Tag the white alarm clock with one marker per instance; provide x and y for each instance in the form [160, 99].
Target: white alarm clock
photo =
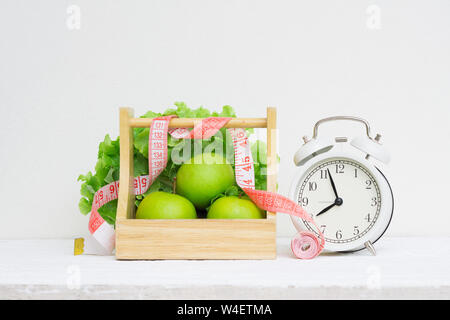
[340, 185]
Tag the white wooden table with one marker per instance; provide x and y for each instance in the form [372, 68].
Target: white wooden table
[404, 268]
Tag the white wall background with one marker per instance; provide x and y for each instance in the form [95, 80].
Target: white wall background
[60, 89]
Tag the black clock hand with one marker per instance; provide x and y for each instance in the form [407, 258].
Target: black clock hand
[332, 184]
[326, 209]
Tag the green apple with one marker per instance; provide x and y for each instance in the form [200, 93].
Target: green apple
[163, 205]
[203, 177]
[234, 208]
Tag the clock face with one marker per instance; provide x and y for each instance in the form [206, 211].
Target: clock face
[343, 198]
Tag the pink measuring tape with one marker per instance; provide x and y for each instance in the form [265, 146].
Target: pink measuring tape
[305, 245]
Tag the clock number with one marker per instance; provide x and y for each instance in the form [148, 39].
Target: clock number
[368, 184]
[368, 218]
[305, 201]
[323, 227]
[340, 168]
[339, 234]
[312, 186]
[374, 202]
[356, 173]
[323, 174]
[355, 230]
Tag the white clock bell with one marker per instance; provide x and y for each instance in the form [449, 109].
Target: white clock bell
[340, 186]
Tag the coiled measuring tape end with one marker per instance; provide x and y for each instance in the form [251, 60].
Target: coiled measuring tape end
[78, 247]
[305, 245]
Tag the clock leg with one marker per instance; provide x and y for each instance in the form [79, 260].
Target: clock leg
[370, 247]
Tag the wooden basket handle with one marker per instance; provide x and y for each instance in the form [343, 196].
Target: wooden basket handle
[125, 207]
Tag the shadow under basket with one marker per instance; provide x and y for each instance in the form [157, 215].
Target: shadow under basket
[139, 239]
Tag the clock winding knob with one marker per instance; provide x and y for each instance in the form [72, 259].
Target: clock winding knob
[305, 139]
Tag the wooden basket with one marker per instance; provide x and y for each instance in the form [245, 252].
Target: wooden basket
[191, 238]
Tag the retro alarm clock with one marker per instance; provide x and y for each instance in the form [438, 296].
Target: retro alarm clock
[340, 185]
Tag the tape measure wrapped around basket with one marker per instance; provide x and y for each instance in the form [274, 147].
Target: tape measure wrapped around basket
[305, 245]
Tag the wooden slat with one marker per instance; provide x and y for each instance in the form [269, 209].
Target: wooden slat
[196, 239]
[272, 163]
[125, 205]
[190, 122]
